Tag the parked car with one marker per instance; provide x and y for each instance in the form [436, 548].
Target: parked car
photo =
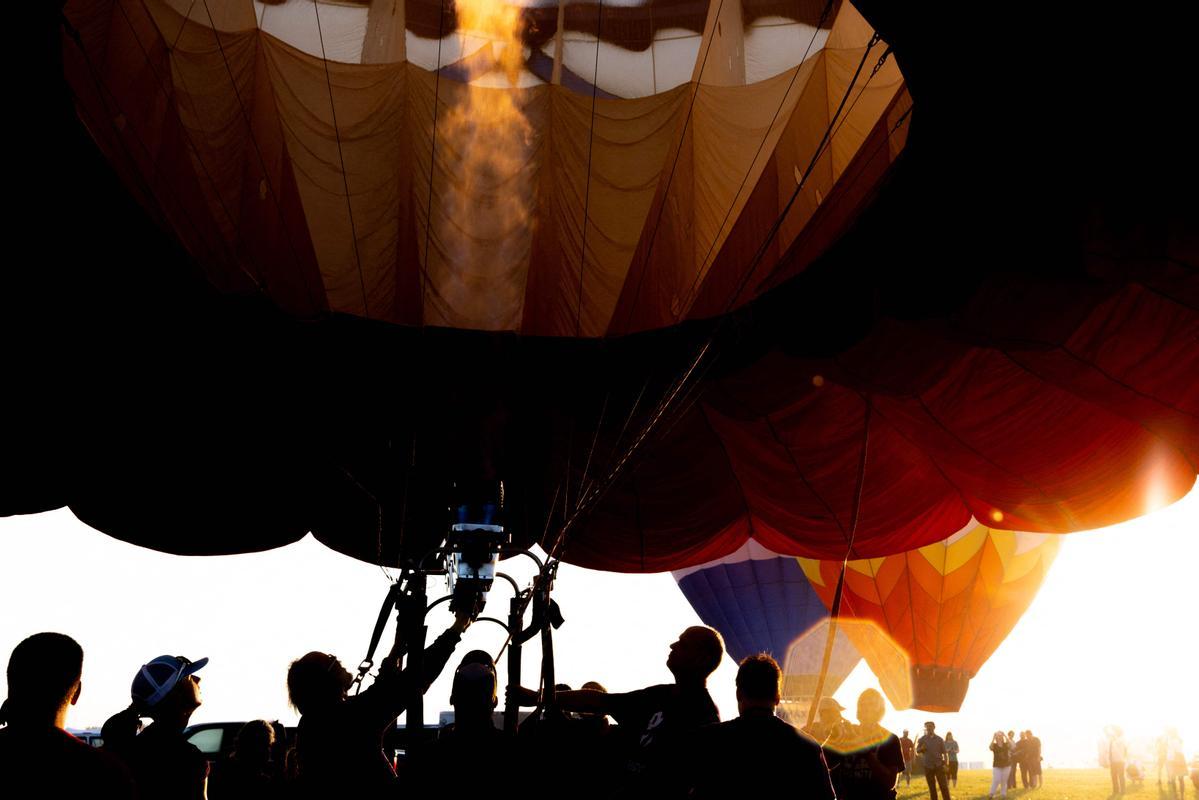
[215, 739]
[90, 736]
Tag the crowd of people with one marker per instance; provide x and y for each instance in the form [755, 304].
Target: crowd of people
[1126, 766]
[664, 741]
[1011, 755]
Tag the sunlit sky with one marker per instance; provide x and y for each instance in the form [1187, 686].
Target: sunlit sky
[1111, 638]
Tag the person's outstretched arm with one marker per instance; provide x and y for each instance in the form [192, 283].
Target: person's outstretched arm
[437, 655]
[388, 695]
[585, 700]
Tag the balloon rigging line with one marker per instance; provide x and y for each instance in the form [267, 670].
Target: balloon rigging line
[583, 490]
[404, 496]
[761, 252]
[594, 441]
[673, 392]
[839, 592]
[570, 446]
[693, 396]
[345, 179]
[266, 175]
[424, 266]
[691, 290]
[599, 21]
[861, 170]
[103, 96]
[586, 502]
[820, 154]
[825, 142]
[167, 91]
[674, 165]
[529, 596]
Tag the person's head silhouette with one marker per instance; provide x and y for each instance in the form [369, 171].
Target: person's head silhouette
[44, 680]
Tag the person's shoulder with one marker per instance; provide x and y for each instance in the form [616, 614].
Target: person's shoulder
[656, 690]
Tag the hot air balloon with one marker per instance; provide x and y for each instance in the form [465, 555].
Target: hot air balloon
[949, 605]
[761, 602]
[712, 317]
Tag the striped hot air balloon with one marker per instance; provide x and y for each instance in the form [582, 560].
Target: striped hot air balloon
[949, 605]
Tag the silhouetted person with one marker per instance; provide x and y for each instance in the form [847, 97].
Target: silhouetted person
[1016, 753]
[874, 760]
[833, 733]
[1176, 763]
[339, 742]
[908, 747]
[663, 718]
[1034, 756]
[1019, 759]
[473, 747]
[745, 757]
[249, 771]
[1117, 754]
[38, 758]
[931, 749]
[952, 748]
[163, 763]
[1001, 763]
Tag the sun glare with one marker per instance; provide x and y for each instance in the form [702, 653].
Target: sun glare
[1110, 639]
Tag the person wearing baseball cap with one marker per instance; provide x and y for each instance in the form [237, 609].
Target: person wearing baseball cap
[164, 764]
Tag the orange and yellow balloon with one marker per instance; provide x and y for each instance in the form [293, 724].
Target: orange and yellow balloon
[948, 605]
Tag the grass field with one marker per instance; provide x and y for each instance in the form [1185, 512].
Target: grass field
[1060, 784]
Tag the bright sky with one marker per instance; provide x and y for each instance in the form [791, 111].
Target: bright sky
[1110, 639]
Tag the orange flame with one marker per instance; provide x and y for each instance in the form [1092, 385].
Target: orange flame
[490, 199]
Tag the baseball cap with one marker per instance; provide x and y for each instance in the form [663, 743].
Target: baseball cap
[156, 679]
[829, 704]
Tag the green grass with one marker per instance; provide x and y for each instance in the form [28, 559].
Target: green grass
[1060, 784]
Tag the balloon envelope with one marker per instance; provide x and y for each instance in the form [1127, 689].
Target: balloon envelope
[962, 322]
[947, 605]
[761, 602]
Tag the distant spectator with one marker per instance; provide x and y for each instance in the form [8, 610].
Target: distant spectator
[1014, 744]
[1035, 757]
[1176, 763]
[165, 766]
[1001, 763]
[38, 758]
[758, 754]
[1116, 754]
[931, 749]
[249, 771]
[1020, 761]
[908, 747]
[951, 752]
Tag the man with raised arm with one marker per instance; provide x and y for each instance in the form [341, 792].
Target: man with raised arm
[663, 719]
